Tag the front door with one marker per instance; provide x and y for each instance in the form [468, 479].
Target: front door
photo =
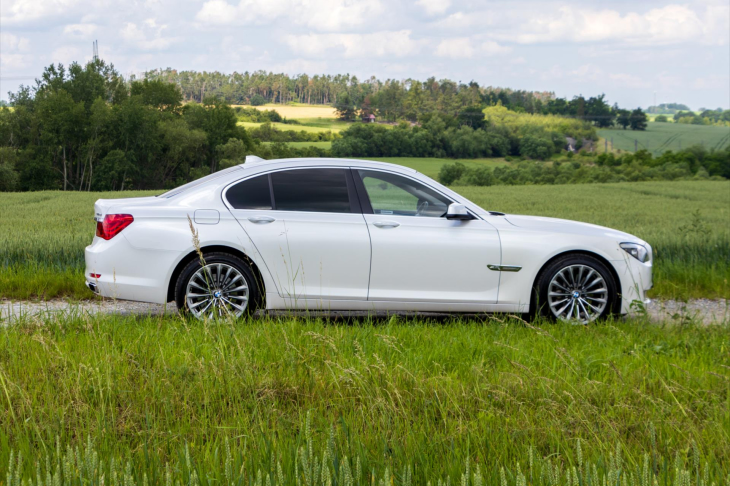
[417, 254]
[311, 236]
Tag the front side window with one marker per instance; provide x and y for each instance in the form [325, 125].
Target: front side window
[252, 193]
[402, 196]
[312, 190]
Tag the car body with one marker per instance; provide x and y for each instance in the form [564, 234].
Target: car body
[314, 241]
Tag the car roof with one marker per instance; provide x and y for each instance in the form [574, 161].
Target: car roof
[258, 163]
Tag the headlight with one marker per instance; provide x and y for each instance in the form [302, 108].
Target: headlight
[640, 252]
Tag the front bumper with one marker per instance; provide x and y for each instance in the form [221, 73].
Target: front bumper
[635, 279]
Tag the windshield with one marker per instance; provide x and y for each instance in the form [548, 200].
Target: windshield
[197, 182]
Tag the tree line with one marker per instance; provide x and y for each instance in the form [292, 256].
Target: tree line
[85, 128]
[391, 99]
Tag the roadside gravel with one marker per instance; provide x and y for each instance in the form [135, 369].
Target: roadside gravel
[671, 311]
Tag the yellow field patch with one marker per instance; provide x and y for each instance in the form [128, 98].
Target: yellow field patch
[298, 111]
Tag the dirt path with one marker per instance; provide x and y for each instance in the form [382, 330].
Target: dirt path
[700, 310]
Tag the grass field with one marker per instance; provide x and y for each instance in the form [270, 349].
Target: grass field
[660, 137]
[164, 400]
[43, 234]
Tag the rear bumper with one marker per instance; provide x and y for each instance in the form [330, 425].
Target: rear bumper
[124, 272]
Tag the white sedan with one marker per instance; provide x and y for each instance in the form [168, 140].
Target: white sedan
[334, 234]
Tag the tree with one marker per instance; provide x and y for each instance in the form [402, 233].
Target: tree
[258, 100]
[345, 107]
[472, 116]
[661, 119]
[623, 117]
[638, 119]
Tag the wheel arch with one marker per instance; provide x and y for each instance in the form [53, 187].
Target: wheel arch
[614, 274]
[193, 255]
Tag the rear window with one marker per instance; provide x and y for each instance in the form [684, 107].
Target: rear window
[250, 194]
[202, 180]
[312, 190]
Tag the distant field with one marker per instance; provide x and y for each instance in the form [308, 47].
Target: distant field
[43, 234]
[298, 111]
[660, 137]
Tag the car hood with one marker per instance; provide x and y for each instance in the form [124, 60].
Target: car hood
[566, 226]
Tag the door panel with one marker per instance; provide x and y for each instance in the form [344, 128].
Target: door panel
[312, 255]
[308, 231]
[432, 259]
[419, 255]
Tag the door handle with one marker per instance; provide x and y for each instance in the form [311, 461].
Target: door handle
[386, 224]
[261, 219]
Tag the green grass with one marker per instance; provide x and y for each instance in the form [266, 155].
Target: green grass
[660, 137]
[392, 393]
[43, 234]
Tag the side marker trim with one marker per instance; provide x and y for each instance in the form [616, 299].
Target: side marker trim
[504, 268]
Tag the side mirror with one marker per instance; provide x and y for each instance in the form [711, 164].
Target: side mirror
[458, 212]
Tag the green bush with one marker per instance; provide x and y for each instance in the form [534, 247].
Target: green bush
[661, 119]
[536, 148]
[258, 100]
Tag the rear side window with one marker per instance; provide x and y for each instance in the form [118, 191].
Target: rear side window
[313, 190]
[250, 194]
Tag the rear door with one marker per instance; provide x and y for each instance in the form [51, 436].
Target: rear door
[307, 225]
[417, 254]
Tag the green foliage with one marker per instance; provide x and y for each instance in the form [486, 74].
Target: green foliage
[258, 116]
[303, 401]
[257, 100]
[536, 147]
[661, 119]
[638, 120]
[345, 106]
[84, 129]
[269, 133]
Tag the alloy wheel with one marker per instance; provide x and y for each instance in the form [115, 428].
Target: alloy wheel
[217, 290]
[577, 293]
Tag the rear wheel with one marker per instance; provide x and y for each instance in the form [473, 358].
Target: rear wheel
[224, 287]
[575, 288]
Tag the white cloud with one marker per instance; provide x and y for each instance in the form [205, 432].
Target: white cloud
[14, 51]
[463, 48]
[434, 7]
[80, 30]
[323, 15]
[376, 44]
[147, 36]
[670, 24]
[711, 82]
[19, 11]
[459, 47]
[66, 55]
[491, 48]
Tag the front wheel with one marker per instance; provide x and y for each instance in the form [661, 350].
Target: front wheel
[575, 288]
[224, 287]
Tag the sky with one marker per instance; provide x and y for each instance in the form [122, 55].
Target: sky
[633, 51]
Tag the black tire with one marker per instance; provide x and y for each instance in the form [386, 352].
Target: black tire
[539, 306]
[254, 286]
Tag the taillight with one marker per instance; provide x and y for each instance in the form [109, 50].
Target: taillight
[112, 225]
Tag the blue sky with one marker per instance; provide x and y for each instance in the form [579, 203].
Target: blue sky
[628, 50]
